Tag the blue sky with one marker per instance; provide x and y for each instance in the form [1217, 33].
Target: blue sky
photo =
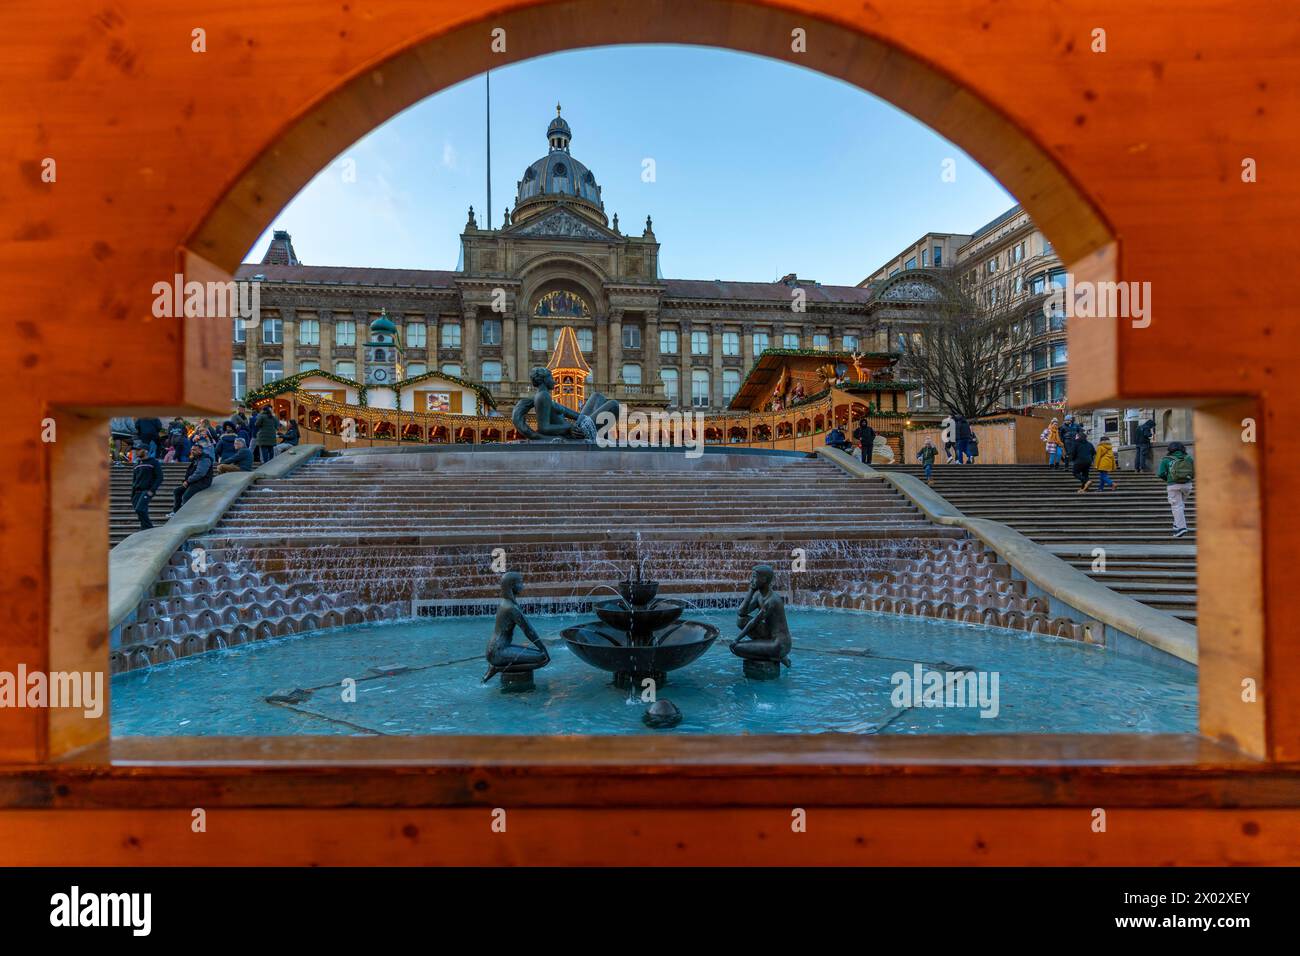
[762, 168]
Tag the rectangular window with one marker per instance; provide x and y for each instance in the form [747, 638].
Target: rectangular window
[938, 255]
[309, 332]
[238, 378]
[346, 369]
[991, 266]
[631, 374]
[537, 338]
[309, 366]
[631, 336]
[451, 368]
[699, 388]
[491, 332]
[345, 334]
[272, 371]
[895, 271]
[667, 342]
[450, 333]
[1040, 392]
[822, 343]
[491, 371]
[1020, 284]
[730, 385]
[1017, 253]
[1058, 354]
[416, 368]
[585, 340]
[850, 343]
[760, 343]
[272, 331]
[241, 330]
[669, 377]
[790, 340]
[416, 335]
[1057, 278]
[1058, 389]
[910, 263]
[1040, 359]
[699, 343]
[730, 343]
[925, 258]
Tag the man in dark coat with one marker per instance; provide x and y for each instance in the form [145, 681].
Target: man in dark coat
[146, 479]
[264, 429]
[962, 433]
[289, 436]
[148, 430]
[1081, 463]
[1146, 432]
[197, 477]
[866, 436]
[241, 459]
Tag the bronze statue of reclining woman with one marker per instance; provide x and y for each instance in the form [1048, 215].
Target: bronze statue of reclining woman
[555, 420]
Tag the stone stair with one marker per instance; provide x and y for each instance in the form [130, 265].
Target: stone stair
[363, 538]
[1132, 524]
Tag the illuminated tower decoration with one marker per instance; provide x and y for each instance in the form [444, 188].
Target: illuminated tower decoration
[382, 354]
[570, 370]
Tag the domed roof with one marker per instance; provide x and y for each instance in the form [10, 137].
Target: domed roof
[558, 173]
[383, 324]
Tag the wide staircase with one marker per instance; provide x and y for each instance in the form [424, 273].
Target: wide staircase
[1132, 524]
[121, 516]
[368, 537]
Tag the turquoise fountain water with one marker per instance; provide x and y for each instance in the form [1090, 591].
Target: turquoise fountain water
[853, 672]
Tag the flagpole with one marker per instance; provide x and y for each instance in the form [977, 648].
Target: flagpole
[488, 77]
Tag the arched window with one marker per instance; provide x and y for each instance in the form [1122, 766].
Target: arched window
[631, 374]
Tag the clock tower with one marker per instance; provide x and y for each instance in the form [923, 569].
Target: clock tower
[383, 352]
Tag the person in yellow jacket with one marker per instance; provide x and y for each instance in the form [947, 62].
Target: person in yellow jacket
[1105, 464]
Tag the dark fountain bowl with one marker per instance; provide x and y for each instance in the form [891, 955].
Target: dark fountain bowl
[641, 621]
[607, 648]
[638, 593]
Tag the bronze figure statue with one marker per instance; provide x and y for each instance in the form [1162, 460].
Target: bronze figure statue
[555, 420]
[514, 662]
[764, 640]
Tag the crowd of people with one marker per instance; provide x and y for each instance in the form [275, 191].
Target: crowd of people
[240, 443]
[1067, 446]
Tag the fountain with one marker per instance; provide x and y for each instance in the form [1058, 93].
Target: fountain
[639, 636]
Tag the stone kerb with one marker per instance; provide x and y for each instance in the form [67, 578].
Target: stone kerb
[134, 565]
[1041, 568]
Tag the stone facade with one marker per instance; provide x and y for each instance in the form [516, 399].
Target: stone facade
[650, 341]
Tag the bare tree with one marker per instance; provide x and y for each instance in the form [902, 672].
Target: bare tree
[960, 345]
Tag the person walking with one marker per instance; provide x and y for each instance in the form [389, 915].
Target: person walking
[1081, 462]
[866, 438]
[146, 479]
[197, 477]
[973, 447]
[264, 428]
[1070, 433]
[963, 435]
[926, 457]
[1178, 471]
[948, 430]
[1051, 439]
[1146, 432]
[1106, 463]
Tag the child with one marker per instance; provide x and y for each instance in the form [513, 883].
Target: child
[926, 457]
[972, 449]
[1105, 464]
